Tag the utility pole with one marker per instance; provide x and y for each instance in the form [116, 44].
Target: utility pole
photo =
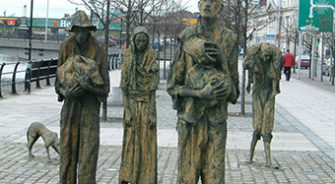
[28, 74]
[30, 28]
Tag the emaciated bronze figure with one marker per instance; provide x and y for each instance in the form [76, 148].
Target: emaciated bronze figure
[203, 79]
[263, 62]
[139, 82]
[82, 82]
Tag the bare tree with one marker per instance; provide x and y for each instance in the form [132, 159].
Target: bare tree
[137, 12]
[128, 9]
[235, 16]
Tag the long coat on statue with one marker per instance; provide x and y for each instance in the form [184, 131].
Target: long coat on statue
[139, 81]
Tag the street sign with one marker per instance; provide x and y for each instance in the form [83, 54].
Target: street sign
[11, 22]
[316, 15]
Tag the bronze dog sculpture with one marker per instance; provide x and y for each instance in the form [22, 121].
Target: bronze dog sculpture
[50, 138]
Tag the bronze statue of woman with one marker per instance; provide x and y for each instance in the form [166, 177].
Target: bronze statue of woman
[139, 81]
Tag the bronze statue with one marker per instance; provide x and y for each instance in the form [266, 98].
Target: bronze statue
[50, 138]
[203, 79]
[139, 82]
[263, 62]
[82, 82]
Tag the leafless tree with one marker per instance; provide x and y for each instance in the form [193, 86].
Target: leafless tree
[235, 16]
[137, 12]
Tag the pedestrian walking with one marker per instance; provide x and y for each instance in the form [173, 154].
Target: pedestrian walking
[289, 62]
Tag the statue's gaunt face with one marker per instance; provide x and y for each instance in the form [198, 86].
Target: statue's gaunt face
[81, 34]
[209, 8]
[141, 42]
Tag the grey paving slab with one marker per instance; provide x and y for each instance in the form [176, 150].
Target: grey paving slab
[295, 166]
[295, 143]
[311, 110]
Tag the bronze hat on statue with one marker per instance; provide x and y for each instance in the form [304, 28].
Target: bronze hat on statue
[80, 19]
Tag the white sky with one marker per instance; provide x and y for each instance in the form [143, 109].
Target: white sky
[57, 8]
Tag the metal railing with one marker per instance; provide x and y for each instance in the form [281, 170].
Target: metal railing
[115, 61]
[40, 70]
[36, 71]
[13, 81]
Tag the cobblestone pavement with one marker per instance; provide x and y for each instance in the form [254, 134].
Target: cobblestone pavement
[295, 167]
[300, 160]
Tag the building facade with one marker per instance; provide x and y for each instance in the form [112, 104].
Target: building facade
[275, 22]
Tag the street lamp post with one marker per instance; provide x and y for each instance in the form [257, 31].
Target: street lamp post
[46, 22]
[28, 77]
[30, 27]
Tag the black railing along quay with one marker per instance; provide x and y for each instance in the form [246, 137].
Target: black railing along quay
[14, 73]
[115, 61]
[40, 70]
[36, 71]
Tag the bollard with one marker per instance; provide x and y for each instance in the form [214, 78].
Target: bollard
[27, 87]
[38, 74]
[114, 61]
[13, 79]
[1, 69]
[48, 72]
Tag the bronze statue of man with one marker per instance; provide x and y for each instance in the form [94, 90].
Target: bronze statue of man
[82, 82]
[139, 82]
[263, 62]
[203, 79]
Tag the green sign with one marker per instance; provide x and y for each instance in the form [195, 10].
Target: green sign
[64, 23]
[316, 15]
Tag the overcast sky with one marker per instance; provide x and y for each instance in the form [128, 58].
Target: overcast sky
[57, 8]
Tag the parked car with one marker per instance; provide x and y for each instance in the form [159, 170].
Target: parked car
[305, 61]
[328, 66]
[111, 42]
